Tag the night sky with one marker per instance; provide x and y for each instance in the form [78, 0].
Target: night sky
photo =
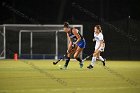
[57, 11]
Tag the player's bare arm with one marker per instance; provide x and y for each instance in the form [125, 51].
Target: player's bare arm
[77, 35]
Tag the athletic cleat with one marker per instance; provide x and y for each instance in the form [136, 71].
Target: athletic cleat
[90, 67]
[104, 62]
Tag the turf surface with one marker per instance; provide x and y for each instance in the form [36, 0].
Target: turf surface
[41, 76]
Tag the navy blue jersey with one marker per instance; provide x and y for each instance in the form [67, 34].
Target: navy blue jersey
[73, 37]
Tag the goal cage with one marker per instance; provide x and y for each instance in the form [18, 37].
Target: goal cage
[34, 41]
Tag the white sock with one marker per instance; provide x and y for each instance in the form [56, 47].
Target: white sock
[101, 58]
[93, 61]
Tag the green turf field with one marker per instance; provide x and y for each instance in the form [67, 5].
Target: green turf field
[41, 76]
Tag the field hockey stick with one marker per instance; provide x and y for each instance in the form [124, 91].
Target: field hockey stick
[73, 46]
[54, 63]
[87, 57]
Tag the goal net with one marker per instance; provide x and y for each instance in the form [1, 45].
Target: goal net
[39, 41]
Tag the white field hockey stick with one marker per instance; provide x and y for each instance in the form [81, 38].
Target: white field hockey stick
[87, 57]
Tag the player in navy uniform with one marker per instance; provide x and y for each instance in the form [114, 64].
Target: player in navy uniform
[76, 44]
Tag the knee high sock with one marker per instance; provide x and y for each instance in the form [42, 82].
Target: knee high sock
[67, 61]
[101, 58]
[93, 61]
[78, 59]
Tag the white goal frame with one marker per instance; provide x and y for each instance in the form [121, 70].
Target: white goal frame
[42, 28]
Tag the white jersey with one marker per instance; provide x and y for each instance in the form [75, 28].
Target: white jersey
[98, 38]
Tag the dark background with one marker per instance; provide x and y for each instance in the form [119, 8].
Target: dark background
[120, 21]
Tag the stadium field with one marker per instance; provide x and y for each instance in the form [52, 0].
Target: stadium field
[41, 76]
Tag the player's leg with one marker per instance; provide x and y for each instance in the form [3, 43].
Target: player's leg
[81, 45]
[93, 59]
[67, 60]
[101, 59]
[68, 57]
[76, 54]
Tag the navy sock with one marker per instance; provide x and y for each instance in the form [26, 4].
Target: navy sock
[78, 59]
[67, 61]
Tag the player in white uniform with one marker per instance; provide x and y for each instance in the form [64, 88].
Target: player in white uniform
[99, 46]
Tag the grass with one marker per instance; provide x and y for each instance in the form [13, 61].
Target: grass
[41, 76]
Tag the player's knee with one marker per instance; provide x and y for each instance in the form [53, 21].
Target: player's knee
[68, 55]
[95, 54]
[75, 56]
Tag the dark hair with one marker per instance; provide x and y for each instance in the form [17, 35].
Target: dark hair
[99, 28]
[66, 24]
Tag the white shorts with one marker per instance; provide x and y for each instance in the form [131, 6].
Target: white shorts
[101, 49]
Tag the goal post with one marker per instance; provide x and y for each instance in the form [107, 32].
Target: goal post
[33, 41]
[2, 42]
